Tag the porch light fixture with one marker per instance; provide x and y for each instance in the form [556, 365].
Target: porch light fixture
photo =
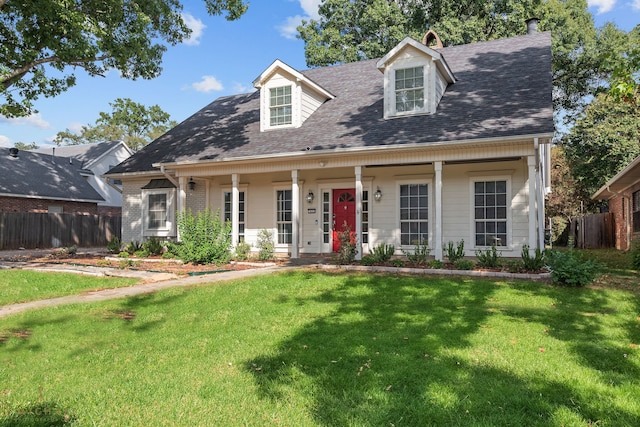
[378, 195]
[310, 197]
[192, 184]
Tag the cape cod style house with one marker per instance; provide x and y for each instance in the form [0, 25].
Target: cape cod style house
[425, 143]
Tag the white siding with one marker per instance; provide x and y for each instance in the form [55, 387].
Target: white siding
[441, 87]
[310, 103]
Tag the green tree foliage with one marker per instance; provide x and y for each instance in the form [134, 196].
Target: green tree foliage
[625, 80]
[44, 41]
[353, 30]
[26, 145]
[603, 141]
[130, 122]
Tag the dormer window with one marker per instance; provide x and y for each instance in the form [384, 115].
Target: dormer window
[409, 89]
[280, 107]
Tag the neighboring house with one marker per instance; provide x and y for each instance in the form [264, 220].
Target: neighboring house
[96, 160]
[426, 144]
[623, 194]
[37, 182]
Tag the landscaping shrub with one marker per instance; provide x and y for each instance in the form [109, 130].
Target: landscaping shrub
[265, 245]
[535, 262]
[436, 264]
[419, 255]
[568, 268]
[242, 251]
[153, 246]
[348, 248]
[206, 239]
[489, 258]
[513, 265]
[114, 245]
[123, 254]
[397, 263]
[133, 247]
[464, 264]
[383, 253]
[142, 253]
[367, 260]
[454, 252]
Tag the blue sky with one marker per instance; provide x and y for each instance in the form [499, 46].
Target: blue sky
[221, 58]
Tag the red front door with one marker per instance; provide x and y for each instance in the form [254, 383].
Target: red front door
[344, 214]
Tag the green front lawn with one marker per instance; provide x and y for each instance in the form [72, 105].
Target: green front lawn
[25, 285]
[307, 348]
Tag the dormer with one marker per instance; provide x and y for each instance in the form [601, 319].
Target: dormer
[287, 97]
[415, 79]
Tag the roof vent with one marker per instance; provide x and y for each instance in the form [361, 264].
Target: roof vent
[432, 40]
[532, 25]
[13, 152]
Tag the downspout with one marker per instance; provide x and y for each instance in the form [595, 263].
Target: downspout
[115, 187]
[169, 177]
[179, 198]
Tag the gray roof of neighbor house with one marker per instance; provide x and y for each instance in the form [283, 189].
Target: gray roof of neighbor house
[38, 175]
[503, 89]
[86, 153]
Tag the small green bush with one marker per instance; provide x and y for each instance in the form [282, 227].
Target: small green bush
[114, 245]
[123, 254]
[436, 264]
[142, 253]
[535, 262]
[489, 258]
[153, 246]
[368, 260]
[397, 262]
[454, 252]
[133, 247]
[513, 265]
[464, 264]
[242, 250]
[206, 238]
[419, 255]
[383, 253]
[168, 255]
[570, 269]
[265, 245]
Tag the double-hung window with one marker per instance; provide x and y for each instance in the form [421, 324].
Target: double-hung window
[636, 211]
[157, 213]
[414, 214]
[280, 106]
[284, 213]
[409, 89]
[490, 212]
[228, 207]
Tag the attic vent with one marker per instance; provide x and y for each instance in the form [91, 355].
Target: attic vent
[13, 152]
[432, 40]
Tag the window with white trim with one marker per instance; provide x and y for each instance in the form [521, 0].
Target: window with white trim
[409, 89]
[326, 216]
[157, 211]
[490, 213]
[284, 215]
[241, 211]
[414, 214]
[280, 106]
[636, 211]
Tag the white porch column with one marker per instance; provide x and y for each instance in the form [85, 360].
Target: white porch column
[541, 220]
[438, 210]
[182, 201]
[358, 170]
[295, 213]
[235, 209]
[207, 197]
[533, 241]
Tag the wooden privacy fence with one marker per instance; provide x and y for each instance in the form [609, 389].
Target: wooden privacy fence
[595, 231]
[44, 230]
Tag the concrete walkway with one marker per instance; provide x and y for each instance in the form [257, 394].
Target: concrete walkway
[153, 282]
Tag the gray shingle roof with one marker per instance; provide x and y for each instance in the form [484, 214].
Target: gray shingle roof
[503, 89]
[85, 152]
[40, 175]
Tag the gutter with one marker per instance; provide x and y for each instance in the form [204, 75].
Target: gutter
[169, 177]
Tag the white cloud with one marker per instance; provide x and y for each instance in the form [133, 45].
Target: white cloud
[240, 88]
[207, 84]
[288, 27]
[4, 141]
[76, 127]
[310, 7]
[603, 6]
[635, 4]
[197, 29]
[32, 120]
